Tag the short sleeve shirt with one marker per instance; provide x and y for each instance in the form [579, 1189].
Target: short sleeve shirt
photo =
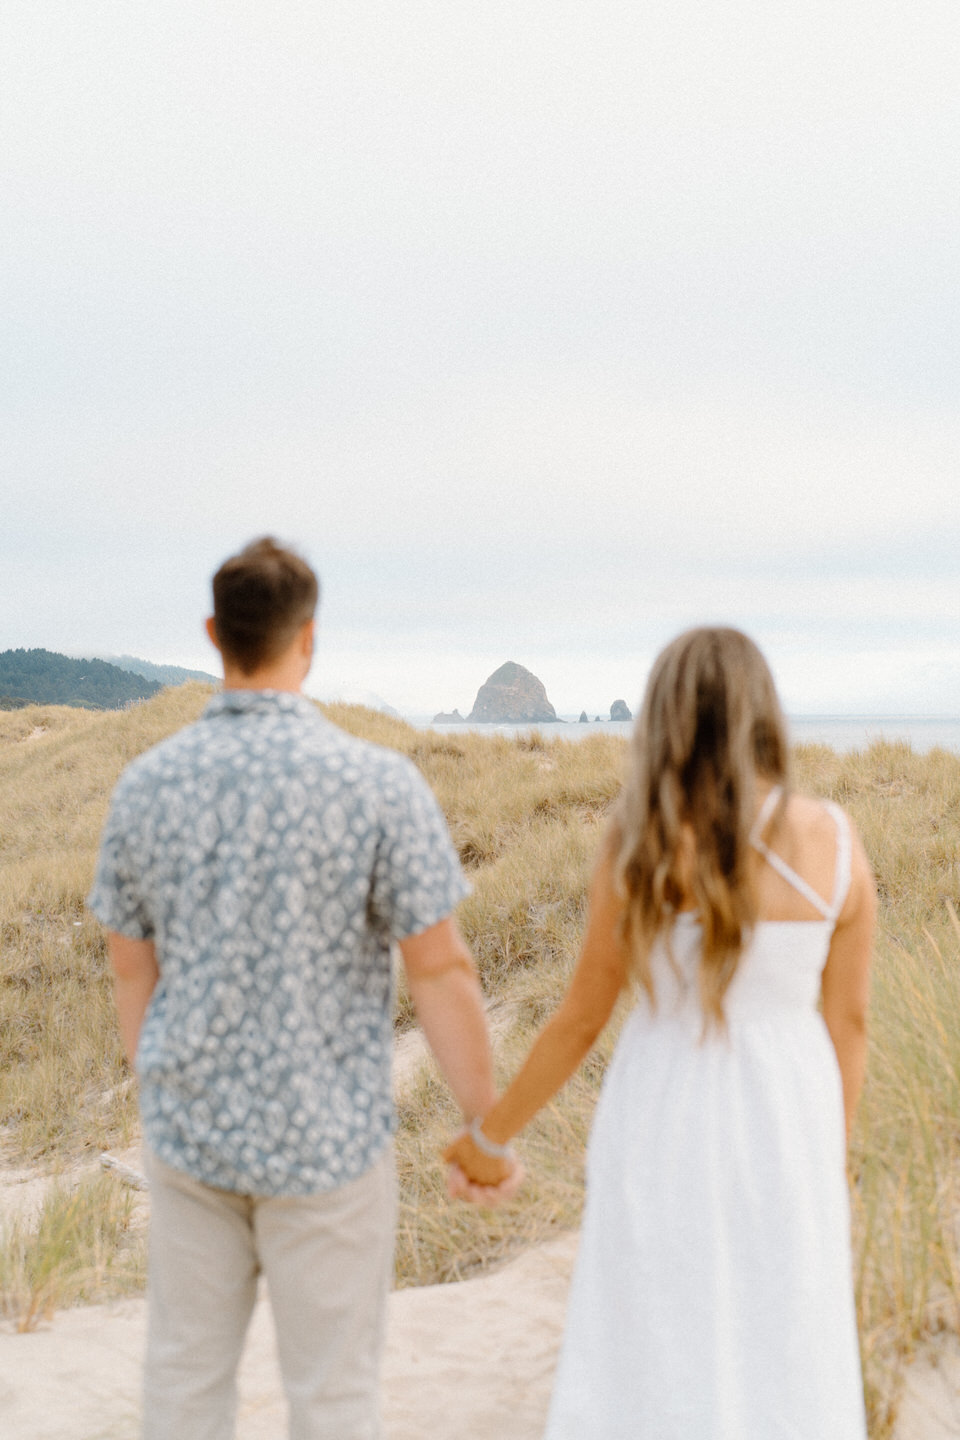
[272, 859]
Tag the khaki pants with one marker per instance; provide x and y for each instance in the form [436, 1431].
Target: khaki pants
[328, 1263]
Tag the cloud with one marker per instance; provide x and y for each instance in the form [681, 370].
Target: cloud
[542, 330]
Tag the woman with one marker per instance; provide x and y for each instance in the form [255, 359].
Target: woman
[712, 1298]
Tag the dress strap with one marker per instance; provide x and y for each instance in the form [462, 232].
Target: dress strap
[829, 910]
[771, 800]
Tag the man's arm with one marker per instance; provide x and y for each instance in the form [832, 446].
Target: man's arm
[568, 1036]
[135, 975]
[443, 985]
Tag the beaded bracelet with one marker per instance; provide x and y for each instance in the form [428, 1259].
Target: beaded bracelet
[485, 1144]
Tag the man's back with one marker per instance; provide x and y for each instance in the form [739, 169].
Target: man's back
[271, 858]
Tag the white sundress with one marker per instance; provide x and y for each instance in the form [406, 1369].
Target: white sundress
[713, 1295]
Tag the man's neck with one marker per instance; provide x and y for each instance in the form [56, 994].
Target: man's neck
[269, 678]
[286, 671]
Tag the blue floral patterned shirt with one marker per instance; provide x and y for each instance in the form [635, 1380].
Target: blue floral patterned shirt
[272, 859]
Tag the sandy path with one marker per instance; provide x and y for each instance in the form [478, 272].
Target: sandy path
[930, 1408]
[464, 1362]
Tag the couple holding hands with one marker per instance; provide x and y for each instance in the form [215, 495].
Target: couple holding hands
[254, 871]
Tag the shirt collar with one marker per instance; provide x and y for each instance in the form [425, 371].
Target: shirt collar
[260, 702]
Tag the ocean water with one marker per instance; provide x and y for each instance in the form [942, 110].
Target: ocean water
[842, 733]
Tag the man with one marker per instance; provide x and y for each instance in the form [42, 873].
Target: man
[254, 870]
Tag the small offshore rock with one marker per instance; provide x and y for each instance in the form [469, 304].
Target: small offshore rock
[583, 718]
[454, 718]
[620, 710]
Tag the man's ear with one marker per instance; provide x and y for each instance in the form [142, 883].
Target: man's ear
[307, 637]
[210, 625]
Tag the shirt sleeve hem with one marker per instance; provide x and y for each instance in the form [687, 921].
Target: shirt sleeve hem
[416, 925]
[120, 924]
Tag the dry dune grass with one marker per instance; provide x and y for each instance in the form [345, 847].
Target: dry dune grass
[81, 1246]
[525, 815]
[60, 1063]
[906, 1146]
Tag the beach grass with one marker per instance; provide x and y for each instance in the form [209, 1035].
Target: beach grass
[526, 815]
[80, 1247]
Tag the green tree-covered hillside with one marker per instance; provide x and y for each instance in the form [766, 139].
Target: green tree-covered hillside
[164, 674]
[42, 677]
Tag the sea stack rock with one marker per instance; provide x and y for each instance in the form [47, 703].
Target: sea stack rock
[583, 718]
[512, 696]
[454, 718]
[620, 710]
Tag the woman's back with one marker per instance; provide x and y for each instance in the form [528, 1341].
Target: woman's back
[800, 874]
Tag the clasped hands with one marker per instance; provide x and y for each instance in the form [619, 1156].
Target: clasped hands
[479, 1178]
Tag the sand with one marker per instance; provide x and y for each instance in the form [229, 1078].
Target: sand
[930, 1407]
[464, 1362]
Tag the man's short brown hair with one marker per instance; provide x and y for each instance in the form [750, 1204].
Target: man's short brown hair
[261, 597]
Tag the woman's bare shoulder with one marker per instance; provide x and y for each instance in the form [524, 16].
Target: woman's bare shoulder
[808, 829]
[802, 821]
[808, 814]
[804, 834]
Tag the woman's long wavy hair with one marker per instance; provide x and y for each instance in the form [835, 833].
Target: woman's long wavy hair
[710, 726]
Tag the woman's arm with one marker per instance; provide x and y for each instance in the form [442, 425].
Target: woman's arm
[567, 1037]
[846, 980]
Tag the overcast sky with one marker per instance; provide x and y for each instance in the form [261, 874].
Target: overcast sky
[544, 330]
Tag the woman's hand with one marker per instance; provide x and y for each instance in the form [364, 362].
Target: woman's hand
[478, 1167]
[460, 1188]
[479, 1178]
